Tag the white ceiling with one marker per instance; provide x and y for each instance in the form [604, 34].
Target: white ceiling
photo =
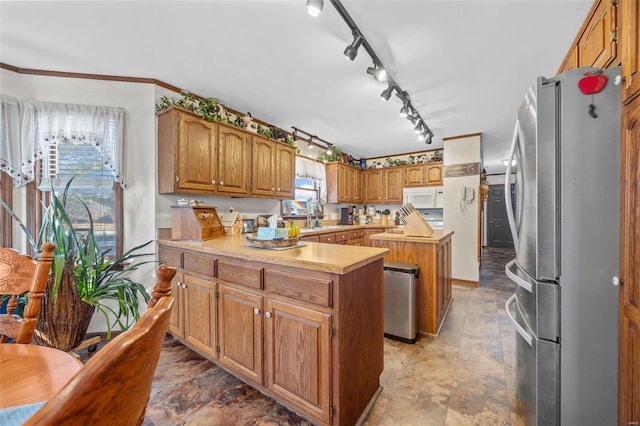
[465, 64]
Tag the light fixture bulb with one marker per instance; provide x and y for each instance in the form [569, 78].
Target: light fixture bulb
[314, 7]
[352, 50]
[418, 128]
[310, 145]
[386, 93]
[404, 111]
[378, 73]
[329, 151]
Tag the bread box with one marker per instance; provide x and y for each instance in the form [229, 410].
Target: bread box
[197, 223]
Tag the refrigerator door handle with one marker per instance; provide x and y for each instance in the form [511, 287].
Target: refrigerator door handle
[521, 331]
[516, 278]
[507, 187]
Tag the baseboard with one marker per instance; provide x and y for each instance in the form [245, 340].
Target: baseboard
[465, 283]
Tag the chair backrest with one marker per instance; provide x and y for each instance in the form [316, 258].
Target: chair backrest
[21, 274]
[113, 388]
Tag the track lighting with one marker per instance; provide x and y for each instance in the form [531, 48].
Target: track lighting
[352, 50]
[377, 72]
[314, 7]
[386, 93]
[295, 135]
[330, 149]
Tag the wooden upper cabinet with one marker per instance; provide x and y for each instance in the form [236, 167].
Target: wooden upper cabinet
[393, 184]
[353, 187]
[233, 157]
[597, 44]
[629, 18]
[429, 174]
[186, 152]
[285, 173]
[263, 166]
[570, 61]
[374, 186]
[434, 174]
[343, 184]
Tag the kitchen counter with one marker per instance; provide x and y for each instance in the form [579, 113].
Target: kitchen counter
[304, 325]
[433, 255]
[338, 259]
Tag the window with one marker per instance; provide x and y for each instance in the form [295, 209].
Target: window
[93, 186]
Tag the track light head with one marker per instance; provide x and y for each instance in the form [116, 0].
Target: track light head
[404, 111]
[428, 138]
[377, 72]
[295, 135]
[330, 149]
[352, 50]
[314, 7]
[386, 93]
[418, 128]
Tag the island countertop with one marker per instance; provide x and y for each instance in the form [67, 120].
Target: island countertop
[437, 236]
[333, 258]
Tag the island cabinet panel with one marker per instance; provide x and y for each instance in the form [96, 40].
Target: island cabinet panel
[233, 158]
[300, 330]
[240, 327]
[200, 314]
[299, 287]
[299, 357]
[433, 256]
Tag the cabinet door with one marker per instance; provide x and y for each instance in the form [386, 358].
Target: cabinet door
[629, 365]
[374, 186]
[285, 172]
[570, 61]
[433, 174]
[394, 181]
[233, 161]
[176, 322]
[414, 175]
[263, 170]
[352, 185]
[200, 314]
[342, 184]
[240, 323]
[630, 32]
[597, 45]
[299, 357]
[368, 232]
[197, 153]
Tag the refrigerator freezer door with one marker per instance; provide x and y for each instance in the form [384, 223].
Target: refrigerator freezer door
[539, 303]
[537, 374]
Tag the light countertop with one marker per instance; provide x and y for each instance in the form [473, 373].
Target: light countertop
[333, 258]
[437, 236]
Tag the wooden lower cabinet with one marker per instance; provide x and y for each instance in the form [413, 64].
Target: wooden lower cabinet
[311, 340]
[200, 314]
[298, 342]
[240, 324]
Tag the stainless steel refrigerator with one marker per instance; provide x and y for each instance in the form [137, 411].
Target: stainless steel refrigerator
[565, 226]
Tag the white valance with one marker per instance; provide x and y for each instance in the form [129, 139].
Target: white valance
[314, 170]
[27, 129]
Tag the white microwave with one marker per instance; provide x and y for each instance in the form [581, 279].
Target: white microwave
[424, 197]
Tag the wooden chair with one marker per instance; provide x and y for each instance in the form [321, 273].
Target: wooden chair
[113, 388]
[21, 274]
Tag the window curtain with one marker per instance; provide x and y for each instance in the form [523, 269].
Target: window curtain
[314, 170]
[42, 124]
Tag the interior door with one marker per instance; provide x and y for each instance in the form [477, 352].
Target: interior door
[499, 232]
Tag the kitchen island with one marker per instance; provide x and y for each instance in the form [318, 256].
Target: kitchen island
[433, 255]
[303, 325]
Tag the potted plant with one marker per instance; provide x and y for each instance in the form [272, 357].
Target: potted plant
[83, 278]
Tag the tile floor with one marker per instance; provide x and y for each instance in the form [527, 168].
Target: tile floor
[464, 376]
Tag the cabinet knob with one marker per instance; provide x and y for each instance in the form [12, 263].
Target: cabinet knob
[273, 189]
[267, 314]
[177, 178]
[615, 281]
[221, 183]
[213, 182]
[256, 311]
[278, 189]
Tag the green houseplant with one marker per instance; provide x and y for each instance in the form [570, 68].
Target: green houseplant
[83, 278]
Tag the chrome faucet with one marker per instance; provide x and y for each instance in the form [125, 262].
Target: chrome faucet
[311, 207]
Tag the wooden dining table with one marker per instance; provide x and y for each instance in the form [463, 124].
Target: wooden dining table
[31, 373]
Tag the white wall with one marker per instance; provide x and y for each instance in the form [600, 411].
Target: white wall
[462, 218]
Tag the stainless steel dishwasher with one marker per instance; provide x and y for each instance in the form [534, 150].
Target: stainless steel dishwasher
[401, 301]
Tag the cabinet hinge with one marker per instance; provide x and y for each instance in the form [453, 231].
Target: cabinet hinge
[614, 2]
[614, 35]
[217, 349]
[332, 410]
[217, 294]
[333, 331]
